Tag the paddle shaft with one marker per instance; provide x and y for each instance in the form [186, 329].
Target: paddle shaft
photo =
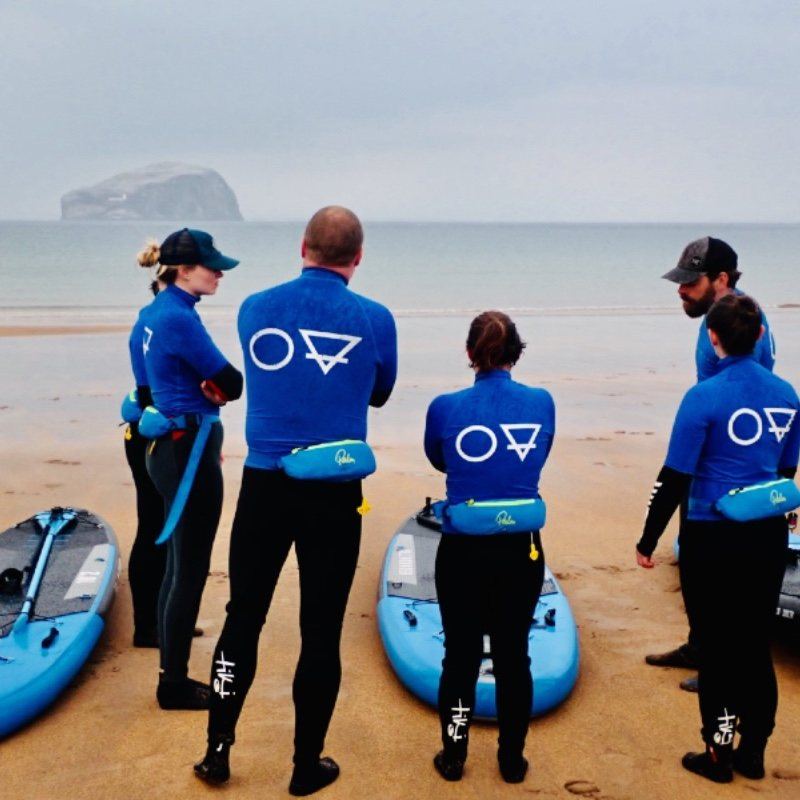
[51, 530]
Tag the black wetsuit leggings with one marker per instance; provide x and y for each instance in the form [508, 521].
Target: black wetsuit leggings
[322, 521]
[148, 561]
[189, 549]
[731, 574]
[691, 640]
[487, 585]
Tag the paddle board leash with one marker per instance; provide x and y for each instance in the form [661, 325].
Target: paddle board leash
[51, 523]
[187, 479]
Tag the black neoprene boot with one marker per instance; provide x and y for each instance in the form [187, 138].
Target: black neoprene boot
[714, 764]
[748, 758]
[145, 637]
[310, 778]
[214, 768]
[512, 768]
[185, 694]
[449, 767]
[684, 657]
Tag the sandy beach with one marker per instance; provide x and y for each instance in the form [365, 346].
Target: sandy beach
[621, 733]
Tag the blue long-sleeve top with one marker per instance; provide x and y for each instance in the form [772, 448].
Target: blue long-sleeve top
[178, 352]
[708, 362]
[491, 439]
[735, 429]
[316, 356]
[136, 349]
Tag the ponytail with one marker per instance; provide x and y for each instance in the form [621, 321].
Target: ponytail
[493, 341]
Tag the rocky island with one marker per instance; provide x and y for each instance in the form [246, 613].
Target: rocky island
[168, 191]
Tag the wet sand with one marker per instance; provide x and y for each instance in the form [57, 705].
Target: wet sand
[58, 330]
[620, 735]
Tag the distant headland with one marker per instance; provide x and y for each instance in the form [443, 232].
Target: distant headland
[168, 191]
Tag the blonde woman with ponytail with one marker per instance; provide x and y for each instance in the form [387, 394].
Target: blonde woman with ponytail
[147, 561]
[188, 379]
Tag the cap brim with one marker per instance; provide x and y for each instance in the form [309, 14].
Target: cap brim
[221, 262]
[681, 275]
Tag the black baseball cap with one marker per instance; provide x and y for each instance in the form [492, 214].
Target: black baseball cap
[701, 257]
[193, 247]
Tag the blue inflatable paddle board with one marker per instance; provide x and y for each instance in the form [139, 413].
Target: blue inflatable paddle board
[58, 572]
[789, 598]
[411, 626]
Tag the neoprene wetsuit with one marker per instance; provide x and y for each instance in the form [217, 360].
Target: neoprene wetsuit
[147, 561]
[316, 356]
[179, 356]
[492, 441]
[735, 429]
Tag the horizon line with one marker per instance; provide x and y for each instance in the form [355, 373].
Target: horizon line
[403, 221]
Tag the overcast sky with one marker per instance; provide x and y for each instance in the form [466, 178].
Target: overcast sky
[437, 110]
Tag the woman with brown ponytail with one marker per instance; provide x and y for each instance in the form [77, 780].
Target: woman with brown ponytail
[492, 441]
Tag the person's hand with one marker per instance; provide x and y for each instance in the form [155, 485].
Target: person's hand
[644, 561]
[212, 393]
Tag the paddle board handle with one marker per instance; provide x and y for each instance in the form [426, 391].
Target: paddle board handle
[411, 617]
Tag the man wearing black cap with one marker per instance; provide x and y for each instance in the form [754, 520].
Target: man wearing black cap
[706, 271]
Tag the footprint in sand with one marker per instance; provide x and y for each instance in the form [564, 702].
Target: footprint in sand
[613, 568]
[786, 774]
[62, 462]
[582, 788]
[564, 576]
[52, 485]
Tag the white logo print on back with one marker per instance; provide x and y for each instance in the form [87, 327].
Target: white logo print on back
[778, 431]
[328, 362]
[521, 448]
[325, 361]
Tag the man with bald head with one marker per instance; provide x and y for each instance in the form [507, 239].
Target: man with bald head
[316, 356]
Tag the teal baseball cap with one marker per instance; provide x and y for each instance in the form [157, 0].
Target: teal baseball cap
[194, 247]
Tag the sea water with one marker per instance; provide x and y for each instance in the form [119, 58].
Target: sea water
[605, 334]
[412, 268]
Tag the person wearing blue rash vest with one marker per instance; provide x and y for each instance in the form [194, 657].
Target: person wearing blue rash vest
[492, 441]
[706, 271]
[147, 561]
[189, 380]
[316, 356]
[737, 430]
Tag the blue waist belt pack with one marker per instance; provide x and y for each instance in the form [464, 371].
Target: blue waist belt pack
[130, 411]
[346, 460]
[495, 516]
[760, 501]
[154, 424]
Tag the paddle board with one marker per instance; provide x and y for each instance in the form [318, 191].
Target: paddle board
[58, 572]
[410, 625]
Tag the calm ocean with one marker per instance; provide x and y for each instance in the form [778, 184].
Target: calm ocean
[412, 268]
[605, 334]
